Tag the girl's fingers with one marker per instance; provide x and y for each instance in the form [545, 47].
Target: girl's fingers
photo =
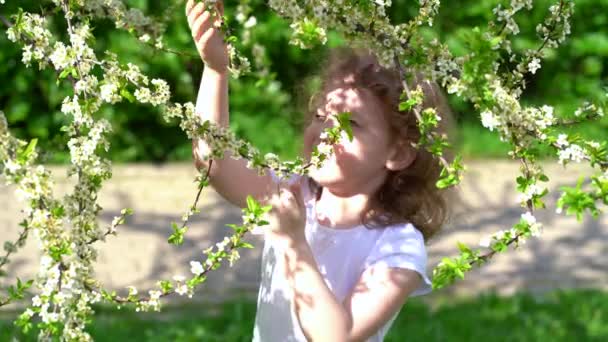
[198, 9]
[291, 199]
[189, 6]
[201, 25]
[296, 190]
[201, 41]
[286, 196]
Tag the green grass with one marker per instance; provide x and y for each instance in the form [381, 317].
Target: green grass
[572, 315]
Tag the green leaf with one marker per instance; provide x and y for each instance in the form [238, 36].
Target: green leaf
[57, 251]
[64, 74]
[233, 226]
[447, 181]
[28, 284]
[165, 286]
[463, 248]
[127, 95]
[245, 245]
[448, 262]
[177, 238]
[19, 17]
[24, 155]
[344, 121]
[407, 105]
[58, 211]
[9, 247]
[205, 126]
[12, 292]
[196, 280]
[252, 204]
[459, 273]
[126, 211]
[495, 41]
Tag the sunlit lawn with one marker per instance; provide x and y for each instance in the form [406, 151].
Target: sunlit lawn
[580, 315]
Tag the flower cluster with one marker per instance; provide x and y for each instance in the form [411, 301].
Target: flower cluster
[505, 15]
[253, 217]
[35, 27]
[527, 225]
[65, 280]
[149, 29]
[311, 19]
[510, 119]
[556, 27]
[306, 34]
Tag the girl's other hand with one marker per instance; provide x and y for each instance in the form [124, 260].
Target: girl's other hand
[287, 217]
[209, 40]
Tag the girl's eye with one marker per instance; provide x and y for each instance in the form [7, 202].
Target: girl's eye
[321, 117]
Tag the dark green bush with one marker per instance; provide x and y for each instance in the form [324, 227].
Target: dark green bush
[270, 115]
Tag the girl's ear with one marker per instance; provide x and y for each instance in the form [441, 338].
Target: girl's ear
[401, 156]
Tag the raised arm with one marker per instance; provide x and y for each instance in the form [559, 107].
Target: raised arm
[229, 177]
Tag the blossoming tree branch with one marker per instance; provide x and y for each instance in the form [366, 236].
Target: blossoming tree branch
[491, 76]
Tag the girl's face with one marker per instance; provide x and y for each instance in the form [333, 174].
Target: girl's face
[355, 163]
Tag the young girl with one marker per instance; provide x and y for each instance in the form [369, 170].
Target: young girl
[346, 245]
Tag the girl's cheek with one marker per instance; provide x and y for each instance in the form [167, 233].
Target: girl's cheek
[309, 138]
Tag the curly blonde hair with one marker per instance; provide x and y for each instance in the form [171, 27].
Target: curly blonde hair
[408, 195]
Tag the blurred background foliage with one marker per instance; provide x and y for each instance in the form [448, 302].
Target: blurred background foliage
[271, 113]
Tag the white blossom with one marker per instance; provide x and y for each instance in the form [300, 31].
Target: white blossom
[132, 290]
[143, 95]
[27, 54]
[530, 192]
[571, 153]
[489, 120]
[196, 268]
[534, 65]
[251, 22]
[562, 140]
[60, 56]
[324, 148]
[181, 289]
[162, 92]
[221, 246]
[145, 38]
[109, 93]
[36, 301]
[528, 218]
[11, 166]
[485, 241]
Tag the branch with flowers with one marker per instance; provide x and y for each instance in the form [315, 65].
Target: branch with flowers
[68, 228]
[65, 268]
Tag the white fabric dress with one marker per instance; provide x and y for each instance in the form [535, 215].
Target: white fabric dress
[342, 255]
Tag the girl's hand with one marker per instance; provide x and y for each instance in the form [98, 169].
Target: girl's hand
[209, 40]
[287, 217]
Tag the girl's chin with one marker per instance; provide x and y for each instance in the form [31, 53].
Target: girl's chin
[326, 176]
